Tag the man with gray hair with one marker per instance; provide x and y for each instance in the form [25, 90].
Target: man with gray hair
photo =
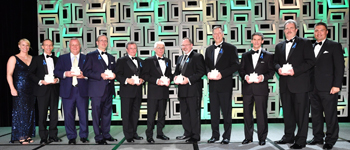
[293, 59]
[129, 71]
[157, 72]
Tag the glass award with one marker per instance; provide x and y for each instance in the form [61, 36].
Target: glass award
[286, 68]
[75, 71]
[253, 77]
[49, 78]
[214, 73]
[136, 79]
[179, 79]
[165, 80]
[109, 73]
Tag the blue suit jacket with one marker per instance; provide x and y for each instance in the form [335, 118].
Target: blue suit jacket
[64, 63]
[93, 67]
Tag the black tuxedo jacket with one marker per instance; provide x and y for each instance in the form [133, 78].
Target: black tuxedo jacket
[265, 66]
[194, 69]
[329, 69]
[227, 64]
[151, 73]
[37, 71]
[124, 69]
[302, 59]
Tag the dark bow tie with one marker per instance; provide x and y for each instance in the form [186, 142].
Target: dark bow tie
[219, 46]
[161, 58]
[49, 56]
[291, 40]
[103, 53]
[319, 43]
[255, 51]
[132, 58]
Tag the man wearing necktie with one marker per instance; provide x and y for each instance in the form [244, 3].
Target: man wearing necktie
[256, 90]
[155, 68]
[127, 68]
[294, 84]
[46, 93]
[192, 67]
[327, 77]
[223, 57]
[74, 92]
[101, 88]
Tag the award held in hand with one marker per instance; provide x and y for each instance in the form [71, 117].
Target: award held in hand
[75, 71]
[49, 78]
[136, 79]
[253, 77]
[179, 79]
[165, 80]
[109, 73]
[286, 68]
[214, 73]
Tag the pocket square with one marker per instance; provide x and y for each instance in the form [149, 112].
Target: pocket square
[325, 52]
[112, 62]
[262, 62]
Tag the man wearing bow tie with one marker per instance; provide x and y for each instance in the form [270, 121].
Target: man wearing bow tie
[46, 92]
[129, 71]
[294, 83]
[74, 91]
[191, 67]
[222, 57]
[99, 68]
[156, 69]
[255, 88]
[326, 79]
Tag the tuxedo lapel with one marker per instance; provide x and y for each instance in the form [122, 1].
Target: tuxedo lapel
[100, 59]
[131, 64]
[156, 63]
[81, 61]
[250, 58]
[323, 48]
[138, 69]
[294, 45]
[283, 51]
[166, 67]
[44, 64]
[213, 55]
[187, 61]
[219, 55]
[260, 59]
[110, 61]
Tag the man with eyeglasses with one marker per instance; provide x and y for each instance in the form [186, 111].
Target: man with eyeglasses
[99, 68]
[190, 68]
[293, 60]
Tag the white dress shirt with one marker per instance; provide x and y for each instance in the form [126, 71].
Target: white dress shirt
[288, 47]
[318, 48]
[216, 52]
[104, 57]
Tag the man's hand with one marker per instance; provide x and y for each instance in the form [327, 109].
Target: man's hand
[291, 72]
[175, 80]
[282, 74]
[130, 81]
[68, 73]
[209, 77]
[140, 81]
[334, 90]
[104, 76]
[44, 82]
[81, 76]
[185, 81]
[112, 77]
[260, 79]
[247, 79]
[55, 81]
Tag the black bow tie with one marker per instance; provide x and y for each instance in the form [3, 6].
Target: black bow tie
[291, 40]
[132, 58]
[49, 56]
[219, 46]
[320, 43]
[161, 58]
[103, 53]
[255, 51]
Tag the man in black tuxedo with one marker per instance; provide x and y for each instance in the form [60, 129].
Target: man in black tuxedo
[326, 79]
[46, 92]
[256, 89]
[99, 67]
[223, 57]
[127, 68]
[191, 67]
[155, 68]
[294, 83]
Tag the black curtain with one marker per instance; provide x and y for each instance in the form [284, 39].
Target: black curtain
[18, 20]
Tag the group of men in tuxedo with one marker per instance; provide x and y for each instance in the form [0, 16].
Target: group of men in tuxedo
[316, 73]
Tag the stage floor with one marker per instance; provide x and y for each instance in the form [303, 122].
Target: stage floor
[275, 133]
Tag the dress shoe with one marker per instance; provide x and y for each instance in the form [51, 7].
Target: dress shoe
[282, 141]
[212, 140]
[111, 139]
[72, 141]
[101, 142]
[43, 142]
[182, 137]
[327, 146]
[163, 137]
[297, 146]
[84, 140]
[262, 142]
[130, 140]
[314, 142]
[55, 139]
[138, 137]
[246, 141]
[192, 140]
[225, 141]
[150, 140]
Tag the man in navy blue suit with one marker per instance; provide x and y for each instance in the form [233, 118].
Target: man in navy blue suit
[99, 68]
[73, 91]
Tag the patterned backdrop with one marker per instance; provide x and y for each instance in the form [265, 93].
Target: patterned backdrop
[148, 21]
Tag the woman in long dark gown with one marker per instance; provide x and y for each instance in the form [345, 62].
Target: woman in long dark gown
[23, 117]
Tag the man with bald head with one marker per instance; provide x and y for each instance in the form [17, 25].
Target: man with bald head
[157, 73]
[73, 91]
